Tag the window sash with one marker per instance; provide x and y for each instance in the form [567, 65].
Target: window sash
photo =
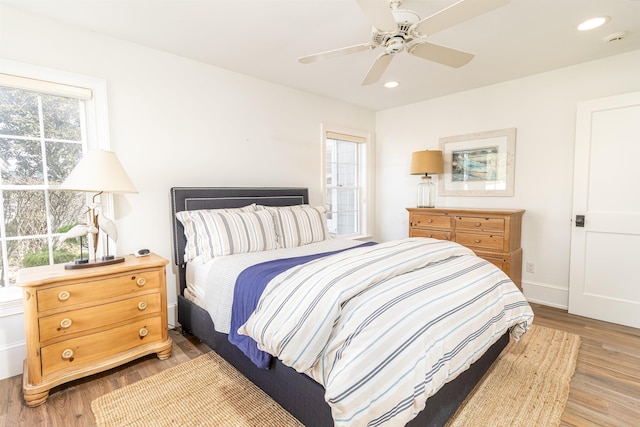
[94, 132]
[351, 215]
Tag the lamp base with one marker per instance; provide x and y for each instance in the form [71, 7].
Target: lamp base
[426, 193]
[96, 263]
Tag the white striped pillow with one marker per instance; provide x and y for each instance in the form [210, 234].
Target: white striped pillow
[196, 231]
[300, 225]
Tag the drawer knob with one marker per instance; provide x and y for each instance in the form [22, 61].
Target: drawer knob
[67, 354]
[64, 295]
[65, 323]
[142, 305]
[478, 224]
[143, 332]
[477, 240]
[141, 281]
[429, 221]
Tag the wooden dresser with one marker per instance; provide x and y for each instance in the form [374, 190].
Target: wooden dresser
[80, 322]
[493, 234]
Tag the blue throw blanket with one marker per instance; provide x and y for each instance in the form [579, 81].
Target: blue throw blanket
[247, 292]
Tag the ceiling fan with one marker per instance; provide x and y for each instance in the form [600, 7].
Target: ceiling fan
[399, 30]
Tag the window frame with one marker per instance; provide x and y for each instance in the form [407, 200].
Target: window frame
[363, 139]
[95, 111]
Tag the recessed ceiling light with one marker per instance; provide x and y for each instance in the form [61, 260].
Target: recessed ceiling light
[391, 84]
[592, 23]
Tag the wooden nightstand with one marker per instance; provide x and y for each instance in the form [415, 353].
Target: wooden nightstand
[80, 322]
[493, 234]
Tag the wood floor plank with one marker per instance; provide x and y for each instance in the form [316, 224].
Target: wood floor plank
[605, 389]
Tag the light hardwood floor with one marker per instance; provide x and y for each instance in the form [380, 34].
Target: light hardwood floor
[605, 390]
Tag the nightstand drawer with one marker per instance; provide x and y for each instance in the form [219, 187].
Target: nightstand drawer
[96, 290]
[430, 221]
[481, 241]
[82, 351]
[434, 234]
[495, 225]
[68, 323]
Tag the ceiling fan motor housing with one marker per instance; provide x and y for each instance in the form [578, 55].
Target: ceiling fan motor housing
[394, 41]
[405, 19]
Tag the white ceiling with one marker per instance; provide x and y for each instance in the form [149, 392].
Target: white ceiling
[264, 38]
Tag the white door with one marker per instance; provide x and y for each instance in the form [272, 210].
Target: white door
[605, 254]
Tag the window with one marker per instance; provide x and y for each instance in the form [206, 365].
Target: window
[345, 181]
[43, 134]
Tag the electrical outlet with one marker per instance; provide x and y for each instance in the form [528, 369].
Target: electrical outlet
[531, 267]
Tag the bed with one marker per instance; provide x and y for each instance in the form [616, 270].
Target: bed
[303, 397]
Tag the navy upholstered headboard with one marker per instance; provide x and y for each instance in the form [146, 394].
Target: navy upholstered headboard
[194, 198]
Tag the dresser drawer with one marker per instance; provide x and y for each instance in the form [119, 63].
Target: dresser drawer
[70, 322]
[498, 262]
[96, 290]
[434, 234]
[495, 225]
[430, 221]
[481, 241]
[78, 352]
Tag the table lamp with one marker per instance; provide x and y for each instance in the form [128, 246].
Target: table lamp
[98, 172]
[426, 162]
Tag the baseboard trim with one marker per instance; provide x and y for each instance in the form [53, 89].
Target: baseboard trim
[546, 294]
[11, 357]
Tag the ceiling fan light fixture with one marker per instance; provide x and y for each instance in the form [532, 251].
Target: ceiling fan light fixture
[391, 85]
[395, 45]
[593, 23]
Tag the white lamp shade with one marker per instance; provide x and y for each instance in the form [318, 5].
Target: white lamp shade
[99, 170]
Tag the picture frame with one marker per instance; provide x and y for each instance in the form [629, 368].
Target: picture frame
[479, 164]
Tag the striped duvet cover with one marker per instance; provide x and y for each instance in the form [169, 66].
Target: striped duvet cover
[384, 327]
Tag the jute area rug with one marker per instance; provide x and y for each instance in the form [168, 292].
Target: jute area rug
[527, 386]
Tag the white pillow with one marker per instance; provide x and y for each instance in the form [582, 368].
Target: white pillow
[196, 230]
[299, 225]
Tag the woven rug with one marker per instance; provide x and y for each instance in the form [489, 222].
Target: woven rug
[527, 386]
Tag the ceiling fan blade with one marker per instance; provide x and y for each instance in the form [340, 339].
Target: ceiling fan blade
[457, 13]
[440, 54]
[379, 14]
[334, 53]
[377, 69]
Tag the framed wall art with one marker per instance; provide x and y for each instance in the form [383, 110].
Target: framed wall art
[478, 164]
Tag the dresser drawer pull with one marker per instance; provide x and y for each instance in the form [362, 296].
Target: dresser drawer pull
[65, 323]
[477, 240]
[478, 224]
[64, 295]
[429, 220]
[141, 281]
[142, 305]
[143, 332]
[67, 354]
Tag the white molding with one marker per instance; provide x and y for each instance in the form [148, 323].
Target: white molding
[13, 348]
[11, 359]
[546, 294]
[10, 301]
[172, 314]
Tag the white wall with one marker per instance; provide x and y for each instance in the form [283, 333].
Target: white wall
[542, 108]
[177, 122]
